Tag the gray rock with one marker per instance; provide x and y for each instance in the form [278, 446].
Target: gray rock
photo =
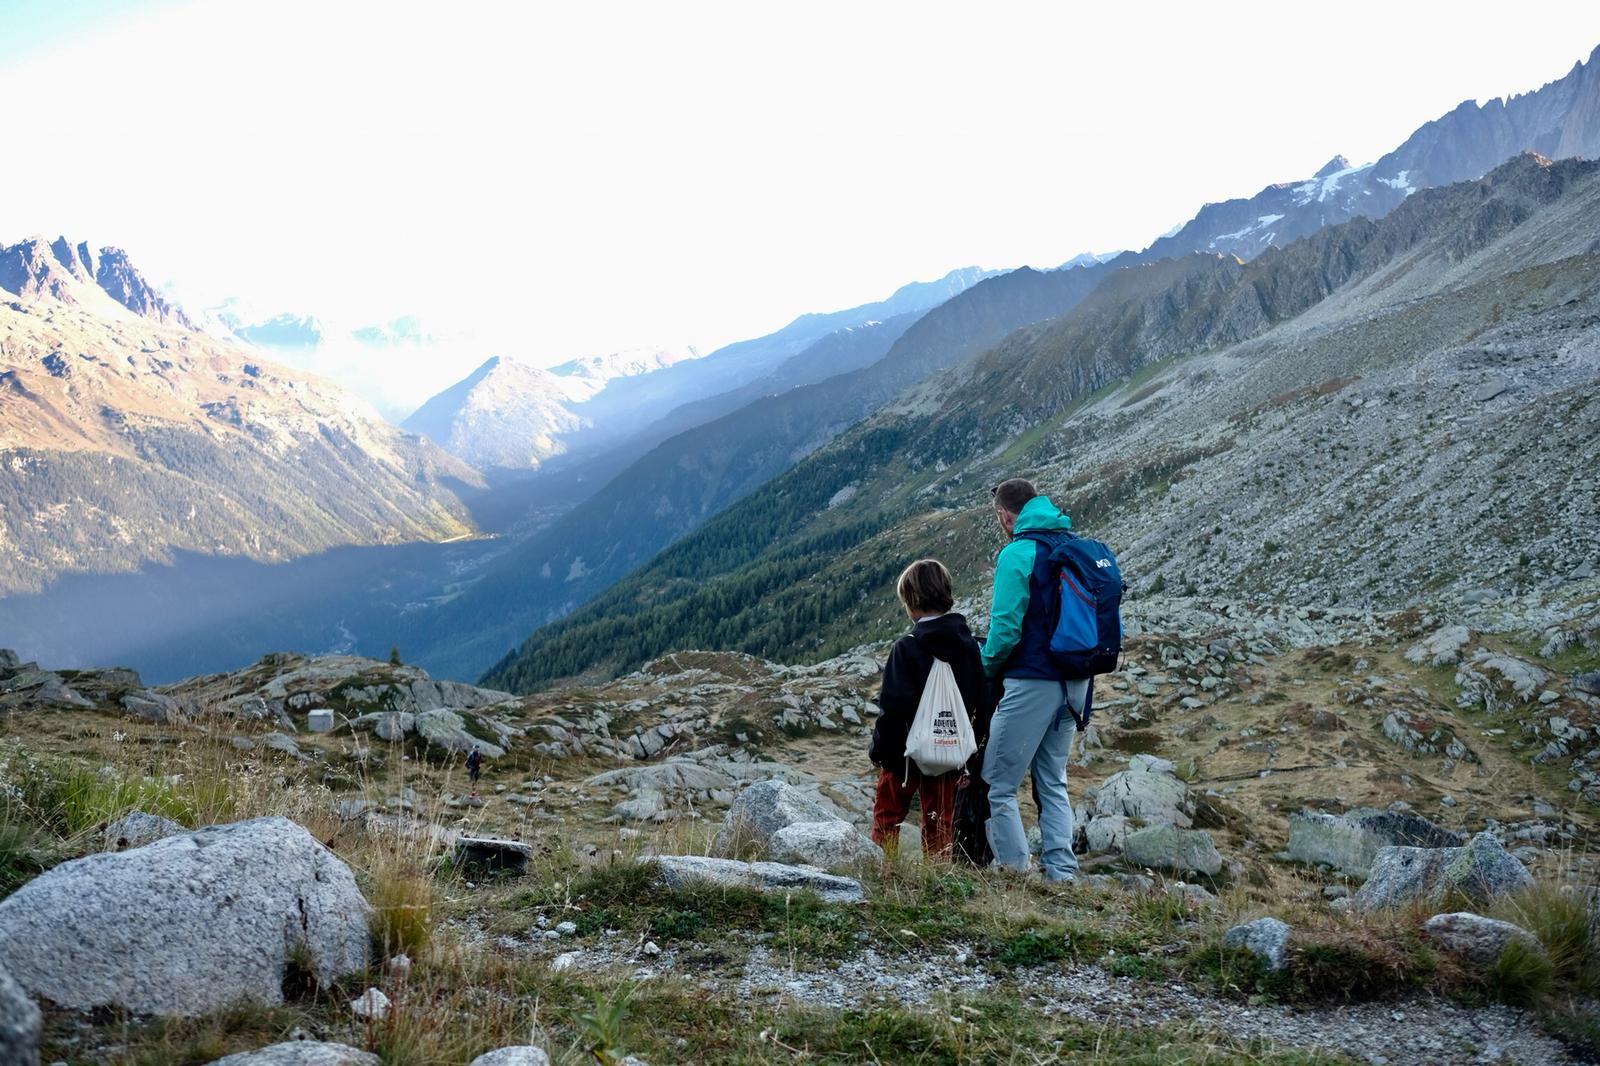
[492, 854]
[526, 1055]
[1476, 939]
[647, 804]
[1265, 938]
[1106, 833]
[1187, 893]
[387, 725]
[1490, 389]
[1589, 682]
[1442, 648]
[9, 661]
[152, 706]
[1352, 840]
[1154, 797]
[282, 742]
[678, 870]
[319, 720]
[766, 807]
[351, 809]
[188, 924]
[302, 1053]
[1166, 847]
[371, 1004]
[448, 730]
[1481, 870]
[827, 845]
[136, 829]
[20, 1024]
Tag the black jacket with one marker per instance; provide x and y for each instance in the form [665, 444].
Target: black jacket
[946, 637]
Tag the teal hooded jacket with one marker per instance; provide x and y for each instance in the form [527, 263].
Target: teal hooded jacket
[1013, 574]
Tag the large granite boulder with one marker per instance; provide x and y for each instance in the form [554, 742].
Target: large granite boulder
[20, 1023]
[766, 807]
[1350, 841]
[829, 845]
[1147, 793]
[448, 730]
[1477, 940]
[1166, 847]
[187, 924]
[684, 870]
[1481, 870]
[301, 1053]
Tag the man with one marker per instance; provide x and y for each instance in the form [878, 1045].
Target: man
[474, 767]
[1033, 726]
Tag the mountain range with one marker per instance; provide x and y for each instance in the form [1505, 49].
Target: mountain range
[1559, 120]
[759, 496]
[126, 434]
[1382, 407]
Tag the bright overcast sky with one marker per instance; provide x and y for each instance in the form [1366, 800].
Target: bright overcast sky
[575, 178]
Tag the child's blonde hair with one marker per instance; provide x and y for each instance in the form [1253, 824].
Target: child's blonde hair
[925, 587]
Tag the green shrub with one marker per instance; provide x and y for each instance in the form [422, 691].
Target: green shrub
[1034, 947]
[677, 925]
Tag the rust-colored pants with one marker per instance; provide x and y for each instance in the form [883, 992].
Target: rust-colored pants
[893, 802]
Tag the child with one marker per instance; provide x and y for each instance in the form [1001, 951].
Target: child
[925, 590]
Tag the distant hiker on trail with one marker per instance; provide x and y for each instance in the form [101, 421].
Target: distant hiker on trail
[474, 767]
[1033, 726]
[932, 687]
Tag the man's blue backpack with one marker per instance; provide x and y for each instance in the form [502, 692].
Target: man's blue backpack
[1087, 639]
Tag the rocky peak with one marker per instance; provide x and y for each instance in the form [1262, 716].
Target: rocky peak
[123, 283]
[1333, 166]
[68, 255]
[29, 268]
[62, 272]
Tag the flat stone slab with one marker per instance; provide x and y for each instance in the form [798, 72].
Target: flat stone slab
[1490, 389]
[493, 854]
[681, 870]
[302, 1053]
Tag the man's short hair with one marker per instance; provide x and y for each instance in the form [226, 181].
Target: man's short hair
[925, 587]
[1010, 496]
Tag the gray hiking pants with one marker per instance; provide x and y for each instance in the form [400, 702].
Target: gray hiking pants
[1032, 730]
